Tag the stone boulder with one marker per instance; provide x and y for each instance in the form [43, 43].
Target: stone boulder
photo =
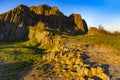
[78, 23]
[40, 34]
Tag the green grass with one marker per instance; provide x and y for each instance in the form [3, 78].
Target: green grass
[16, 58]
[107, 40]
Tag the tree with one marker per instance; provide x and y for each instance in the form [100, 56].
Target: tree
[100, 27]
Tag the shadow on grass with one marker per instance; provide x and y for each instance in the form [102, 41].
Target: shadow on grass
[14, 71]
[19, 69]
[33, 48]
[36, 49]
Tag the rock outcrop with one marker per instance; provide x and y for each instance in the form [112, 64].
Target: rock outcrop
[95, 31]
[14, 24]
[77, 23]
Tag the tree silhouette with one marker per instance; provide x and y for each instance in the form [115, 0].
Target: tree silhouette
[100, 27]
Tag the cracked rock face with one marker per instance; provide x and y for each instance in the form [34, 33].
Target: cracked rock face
[14, 24]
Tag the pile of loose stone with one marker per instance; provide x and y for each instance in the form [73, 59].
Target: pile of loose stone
[71, 62]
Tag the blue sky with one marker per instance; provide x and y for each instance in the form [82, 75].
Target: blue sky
[95, 12]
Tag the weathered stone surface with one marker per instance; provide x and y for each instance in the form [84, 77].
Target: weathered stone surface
[95, 31]
[14, 24]
[40, 33]
[77, 23]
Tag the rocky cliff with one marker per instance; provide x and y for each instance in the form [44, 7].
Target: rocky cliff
[14, 24]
